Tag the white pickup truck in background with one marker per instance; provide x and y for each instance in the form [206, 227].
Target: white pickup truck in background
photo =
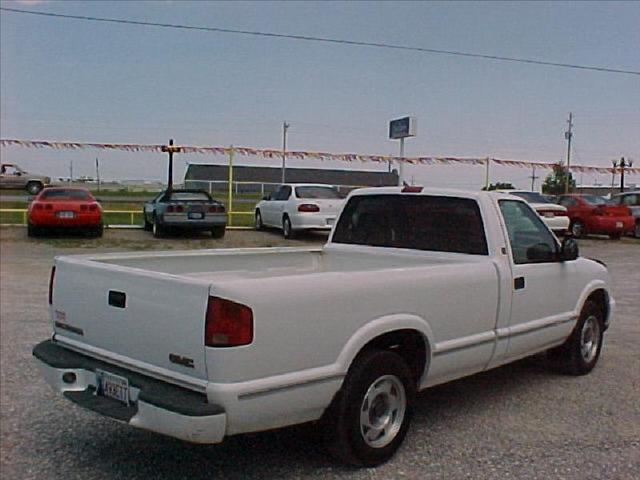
[414, 288]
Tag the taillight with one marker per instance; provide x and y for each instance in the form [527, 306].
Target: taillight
[170, 209]
[51, 278]
[38, 206]
[93, 207]
[179, 208]
[411, 189]
[83, 207]
[547, 213]
[227, 324]
[308, 207]
[216, 209]
[48, 206]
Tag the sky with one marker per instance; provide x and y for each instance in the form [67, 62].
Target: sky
[84, 81]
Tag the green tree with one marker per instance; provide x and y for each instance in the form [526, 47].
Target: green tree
[555, 181]
[499, 186]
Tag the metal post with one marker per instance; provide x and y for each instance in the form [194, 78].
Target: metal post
[170, 176]
[486, 173]
[230, 187]
[285, 127]
[98, 173]
[613, 174]
[401, 163]
[568, 135]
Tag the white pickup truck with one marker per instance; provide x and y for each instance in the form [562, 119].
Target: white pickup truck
[414, 288]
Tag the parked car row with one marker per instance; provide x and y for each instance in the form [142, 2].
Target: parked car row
[66, 208]
[581, 215]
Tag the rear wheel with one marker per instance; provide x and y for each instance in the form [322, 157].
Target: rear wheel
[577, 229]
[98, 231]
[32, 230]
[34, 187]
[580, 353]
[258, 220]
[287, 230]
[370, 416]
[218, 232]
[615, 236]
[158, 230]
[636, 231]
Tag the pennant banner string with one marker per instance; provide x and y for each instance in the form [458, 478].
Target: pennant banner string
[301, 155]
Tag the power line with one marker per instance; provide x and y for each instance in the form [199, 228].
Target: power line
[324, 40]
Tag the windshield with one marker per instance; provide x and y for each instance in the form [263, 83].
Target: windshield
[532, 197]
[65, 195]
[317, 192]
[189, 196]
[594, 200]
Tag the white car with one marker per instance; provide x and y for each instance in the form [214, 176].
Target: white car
[554, 215]
[299, 206]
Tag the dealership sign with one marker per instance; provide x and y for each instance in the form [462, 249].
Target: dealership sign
[402, 128]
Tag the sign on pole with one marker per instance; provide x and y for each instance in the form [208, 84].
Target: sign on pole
[402, 128]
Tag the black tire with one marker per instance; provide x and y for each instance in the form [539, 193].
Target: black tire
[98, 231]
[580, 353]
[32, 230]
[147, 225]
[615, 236]
[343, 420]
[33, 188]
[158, 230]
[287, 229]
[258, 221]
[218, 232]
[577, 229]
[636, 230]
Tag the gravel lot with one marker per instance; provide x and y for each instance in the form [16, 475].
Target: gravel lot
[518, 421]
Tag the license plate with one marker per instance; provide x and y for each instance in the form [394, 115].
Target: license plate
[112, 386]
[66, 214]
[619, 224]
[196, 216]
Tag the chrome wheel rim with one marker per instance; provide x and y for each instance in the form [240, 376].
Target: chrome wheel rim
[576, 229]
[286, 227]
[590, 338]
[382, 411]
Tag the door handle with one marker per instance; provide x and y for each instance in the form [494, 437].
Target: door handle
[518, 283]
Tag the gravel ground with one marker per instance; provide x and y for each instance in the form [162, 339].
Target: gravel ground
[518, 421]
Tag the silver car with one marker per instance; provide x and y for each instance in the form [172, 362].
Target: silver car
[631, 200]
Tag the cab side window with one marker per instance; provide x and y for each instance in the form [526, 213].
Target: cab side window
[531, 241]
[283, 193]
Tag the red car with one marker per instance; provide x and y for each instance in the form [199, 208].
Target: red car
[65, 208]
[592, 214]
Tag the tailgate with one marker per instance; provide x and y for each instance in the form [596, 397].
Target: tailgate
[148, 317]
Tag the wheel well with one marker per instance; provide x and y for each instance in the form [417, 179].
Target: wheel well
[409, 344]
[601, 298]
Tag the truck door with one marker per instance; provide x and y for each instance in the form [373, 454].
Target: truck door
[542, 298]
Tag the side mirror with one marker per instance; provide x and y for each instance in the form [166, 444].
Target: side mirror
[267, 197]
[568, 250]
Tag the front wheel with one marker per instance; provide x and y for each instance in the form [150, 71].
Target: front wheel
[147, 225]
[370, 416]
[32, 230]
[580, 353]
[258, 220]
[158, 230]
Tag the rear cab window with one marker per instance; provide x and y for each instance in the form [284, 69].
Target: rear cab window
[419, 222]
[318, 192]
[188, 197]
[65, 195]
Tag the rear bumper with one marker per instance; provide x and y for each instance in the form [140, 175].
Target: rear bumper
[558, 224]
[155, 405]
[610, 225]
[312, 221]
[182, 221]
[80, 220]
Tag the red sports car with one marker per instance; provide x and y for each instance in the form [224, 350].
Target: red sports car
[56, 207]
[592, 214]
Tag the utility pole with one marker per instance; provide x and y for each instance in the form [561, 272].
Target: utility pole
[98, 173]
[71, 170]
[568, 135]
[624, 165]
[285, 127]
[533, 178]
[613, 174]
